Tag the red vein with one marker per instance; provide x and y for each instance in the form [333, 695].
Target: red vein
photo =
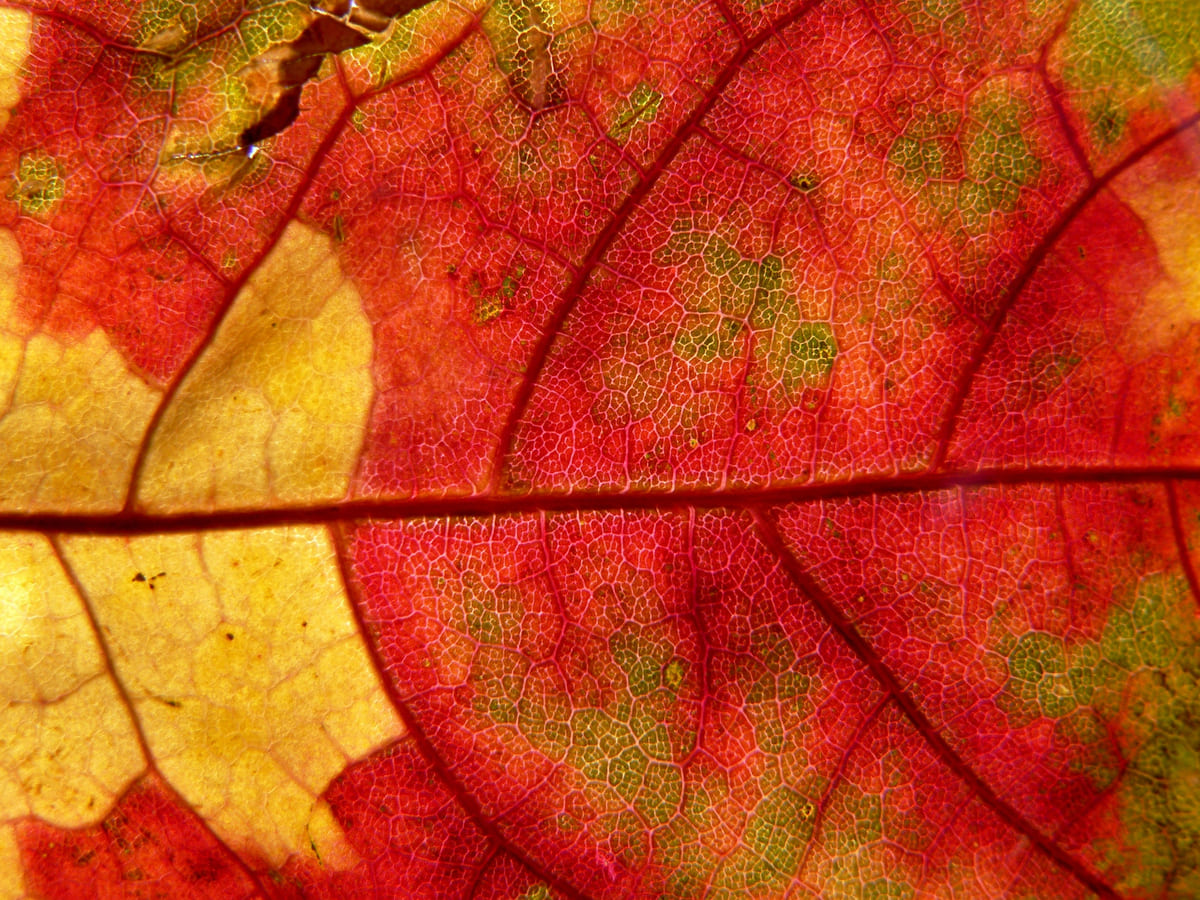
[863, 650]
[1185, 558]
[553, 328]
[415, 731]
[131, 523]
[1020, 282]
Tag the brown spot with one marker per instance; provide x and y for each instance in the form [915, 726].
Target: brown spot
[278, 76]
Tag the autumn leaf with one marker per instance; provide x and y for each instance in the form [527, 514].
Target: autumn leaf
[621, 449]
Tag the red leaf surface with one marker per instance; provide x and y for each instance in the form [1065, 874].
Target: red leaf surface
[614, 450]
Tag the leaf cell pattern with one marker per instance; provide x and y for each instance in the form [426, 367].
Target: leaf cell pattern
[626, 449]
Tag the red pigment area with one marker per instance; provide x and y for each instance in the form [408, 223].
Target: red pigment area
[149, 846]
[654, 384]
[146, 247]
[413, 837]
[945, 589]
[681, 660]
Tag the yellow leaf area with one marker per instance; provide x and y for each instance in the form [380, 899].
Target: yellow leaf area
[228, 662]
[241, 665]
[15, 26]
[275, 409]
[71, 413]
[1169, 208]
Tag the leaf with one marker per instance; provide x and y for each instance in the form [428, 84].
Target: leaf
[539, 449]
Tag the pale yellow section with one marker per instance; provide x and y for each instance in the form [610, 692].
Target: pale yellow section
[275, 410]
[12, 883]
[72, 415]
[15, 27]
[1171, 213]
[68, 747]
[247, 672]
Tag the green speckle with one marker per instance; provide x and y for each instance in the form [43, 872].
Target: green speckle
[673, 674]
[712, 338]
[775, 836]
[488, 308]
[1038, 683]
[813, 349]
[886, 889]
[537, 892]
[38, 185]
[1107, 122]
[640, 106]
[1119, 54]
[804, 182]
[483, 624]
[661, 794]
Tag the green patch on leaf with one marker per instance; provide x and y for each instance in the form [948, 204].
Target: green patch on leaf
[970, 169]
[674, 673]
[38, 184]
[812, 350]
[1155, 695]
[774, 840]
[641, 657]
[526, 36]
[661, 794]
[1038, 683]
[886, 889]
[711, 339]
[1119, 54]
[641, 106]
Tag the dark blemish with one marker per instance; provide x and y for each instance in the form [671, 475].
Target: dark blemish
[139, 577]
[298, 62]
[285, 111]
[174, 704]
[304, 624]
[229, 636]
[805, 182]
[327, 35]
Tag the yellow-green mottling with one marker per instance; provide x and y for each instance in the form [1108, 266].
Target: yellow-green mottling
[974, 168]
[1123, 53]
[38, 184]
[772, 845]
[886, 889]
[725, 291]
[1157, 647]
[214, 70]
[640, 106]
[673, 674]
[1038, 682]
[497, 678]
[544, 717]
[1139, 683]
[532, 41]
